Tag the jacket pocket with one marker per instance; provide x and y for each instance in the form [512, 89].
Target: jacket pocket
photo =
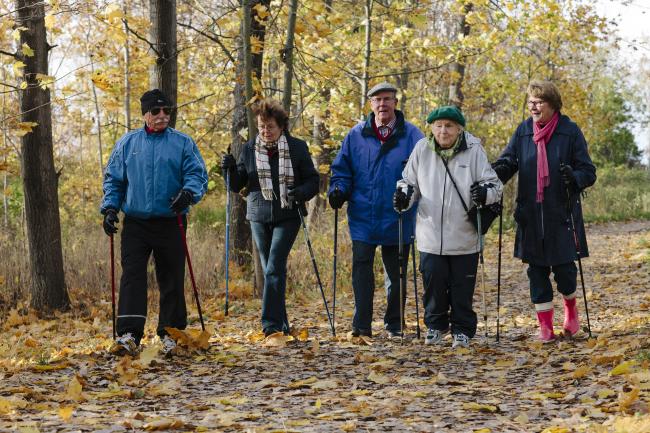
[521, 214]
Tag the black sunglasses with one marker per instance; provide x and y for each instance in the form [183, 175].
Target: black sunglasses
[167, 110]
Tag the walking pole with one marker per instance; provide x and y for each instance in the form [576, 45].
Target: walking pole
[415, 285]
[179, 218]
[336, 232]
[480, 255]
[313, 260]
[577, 244]
[227, 232]
[113, 285]
[499, 270]
[402, 275]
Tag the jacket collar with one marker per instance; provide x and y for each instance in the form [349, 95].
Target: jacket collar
[398, 132]
[563, 126]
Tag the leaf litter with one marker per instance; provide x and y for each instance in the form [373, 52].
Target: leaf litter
[58, 375]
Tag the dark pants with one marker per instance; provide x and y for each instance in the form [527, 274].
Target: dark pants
[274, 241]
[139, 239]
[449, 284]
[363, 284]
[541, 291]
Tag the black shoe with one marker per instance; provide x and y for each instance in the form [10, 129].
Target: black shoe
[356, 332]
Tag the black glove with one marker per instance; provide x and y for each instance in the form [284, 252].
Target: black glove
[228, 162]
[501, 170]
[479, 193]
[295, 194]
[337, 198]
[182, 200]
[402, 199]
[110, 219]
[568, 177]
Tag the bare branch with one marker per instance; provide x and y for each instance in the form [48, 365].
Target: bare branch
[213, 38]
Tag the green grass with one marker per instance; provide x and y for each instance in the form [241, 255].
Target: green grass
[620, 194]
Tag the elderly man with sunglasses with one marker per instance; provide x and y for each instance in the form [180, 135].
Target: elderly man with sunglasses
[153, 175]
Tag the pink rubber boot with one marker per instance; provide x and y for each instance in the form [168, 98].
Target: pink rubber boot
[546, 333]
[571, 321]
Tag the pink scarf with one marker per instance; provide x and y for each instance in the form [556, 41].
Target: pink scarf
[541, 136]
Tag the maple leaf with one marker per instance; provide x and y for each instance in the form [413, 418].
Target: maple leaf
[74, 390]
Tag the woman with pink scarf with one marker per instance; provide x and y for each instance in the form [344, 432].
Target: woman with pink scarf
[550, 154]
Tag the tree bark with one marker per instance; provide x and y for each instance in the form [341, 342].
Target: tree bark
[456, 96]
[366, 57]
[287, 56]
[164, 74]
[127, 65]
[40, 180]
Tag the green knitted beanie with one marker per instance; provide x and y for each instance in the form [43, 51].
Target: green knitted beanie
[450, 112]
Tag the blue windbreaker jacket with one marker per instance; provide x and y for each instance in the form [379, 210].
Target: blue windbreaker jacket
[145, 171]
[367, 172]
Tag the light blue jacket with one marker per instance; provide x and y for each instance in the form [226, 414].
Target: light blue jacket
[367, 172]
[146, 170]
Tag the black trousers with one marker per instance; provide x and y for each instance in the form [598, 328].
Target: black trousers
[139, 239]
[448, 292]
[363, 284]
[541, 290]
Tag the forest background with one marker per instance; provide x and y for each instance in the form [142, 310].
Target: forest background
[71, 73]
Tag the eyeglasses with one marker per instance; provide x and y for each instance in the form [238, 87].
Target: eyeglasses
[155, 110]
[532, 104]
[384, 99]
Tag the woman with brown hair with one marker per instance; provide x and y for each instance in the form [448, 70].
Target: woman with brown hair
[550, 154]
[279, 174]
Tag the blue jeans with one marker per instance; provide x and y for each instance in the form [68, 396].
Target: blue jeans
[363, 284]
[274, 241]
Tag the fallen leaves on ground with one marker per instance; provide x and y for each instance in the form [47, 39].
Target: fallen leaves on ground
[56, 373]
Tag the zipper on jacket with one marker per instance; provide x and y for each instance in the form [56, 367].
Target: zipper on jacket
[442, 211]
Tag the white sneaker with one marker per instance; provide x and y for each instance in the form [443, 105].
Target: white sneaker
[125, 345]
[434, 336]
[460, 340]
[168, 346]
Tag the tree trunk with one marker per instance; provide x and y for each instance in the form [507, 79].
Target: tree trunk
[98, 122]
[366, 57]
[247, 64]
[322, 156]
[127, 64]
[456, 96]
[287, 57]
[48, 290]
[163, 36]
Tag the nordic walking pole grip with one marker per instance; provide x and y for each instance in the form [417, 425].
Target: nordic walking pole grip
[179, 218]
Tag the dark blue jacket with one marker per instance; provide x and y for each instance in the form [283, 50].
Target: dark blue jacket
[367, 172]
[305, 176]
[544, 235]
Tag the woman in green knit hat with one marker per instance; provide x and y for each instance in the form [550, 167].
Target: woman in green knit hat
[446, 174]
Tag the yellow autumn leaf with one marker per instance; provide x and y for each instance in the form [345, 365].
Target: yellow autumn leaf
[44, 80]
[622, 368]
[163, 424]
[27, 51]
[113, 13]
[262, 11]
[581, 371]
[101, 81]
[604, 393]
[16, 33]
[256, 45]
[482, 430]
[18, 66]
[73, 391]
[325, 384]
[50, 21]
[65, 412]
[303, 335]
[303, 382]
[378, 378]
[277, 340]
[24, 128]
[232, 400]
[23, 85]
[349, 426]
[627, 399]
[147, 355]
[480, 407]
[556, 429]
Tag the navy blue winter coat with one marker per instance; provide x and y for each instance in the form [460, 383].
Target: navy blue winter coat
[544, 236]
[367, 172]
[305, 178]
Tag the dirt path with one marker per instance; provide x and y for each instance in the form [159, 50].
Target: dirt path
[56, 376]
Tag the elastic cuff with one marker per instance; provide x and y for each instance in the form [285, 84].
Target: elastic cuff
[571, 296]
[546, 306]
